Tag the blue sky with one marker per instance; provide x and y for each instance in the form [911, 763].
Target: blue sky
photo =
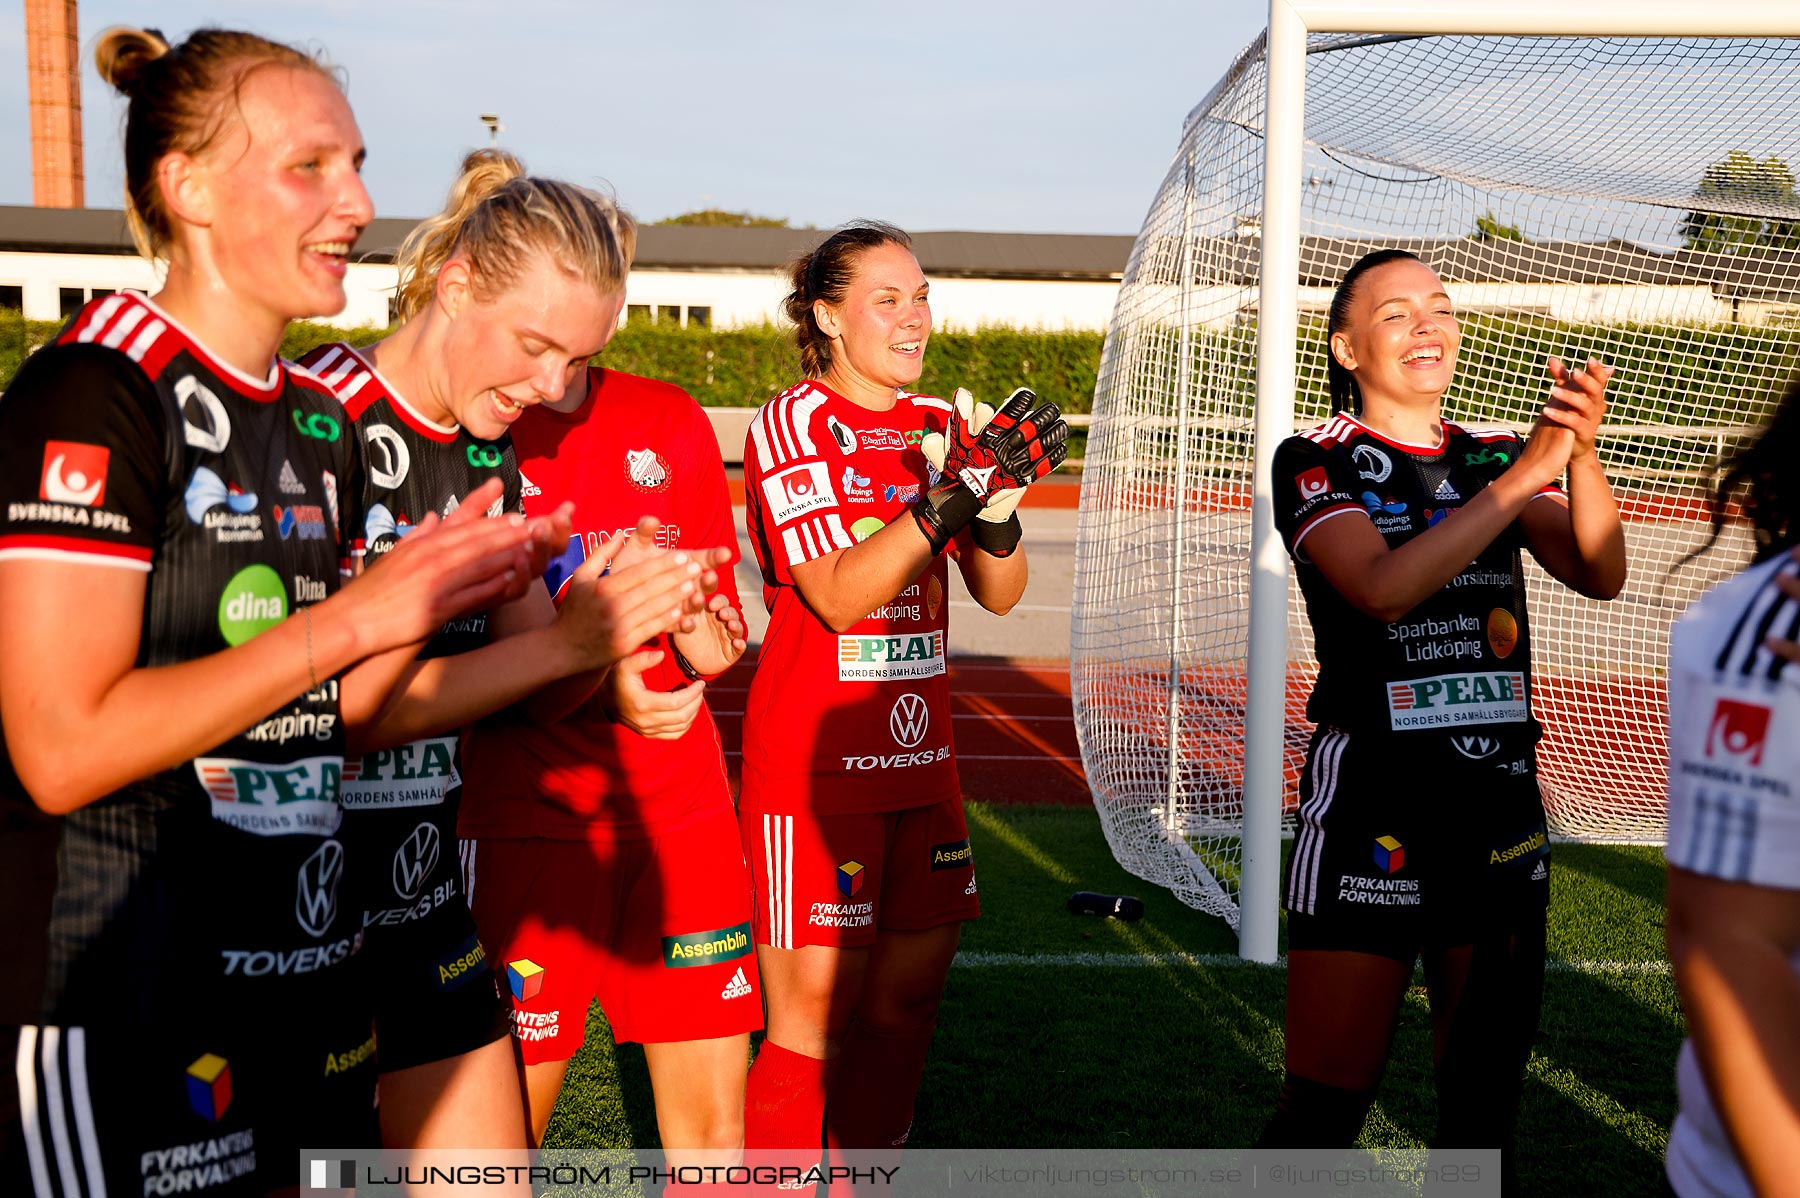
[1053, 117]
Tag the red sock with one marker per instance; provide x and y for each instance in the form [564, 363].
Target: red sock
[872, 1107]
[784, 1099]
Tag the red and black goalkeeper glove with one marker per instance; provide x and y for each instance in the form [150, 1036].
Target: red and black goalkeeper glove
[986, 459]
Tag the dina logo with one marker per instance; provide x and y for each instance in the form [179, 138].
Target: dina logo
[414, 860]
[1738, 731]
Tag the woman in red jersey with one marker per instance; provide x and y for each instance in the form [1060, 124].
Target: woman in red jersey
[601, 855]
[179, 678]
[513, 285]
[851, 813]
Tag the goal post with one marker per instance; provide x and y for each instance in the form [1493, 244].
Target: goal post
[1177, 364]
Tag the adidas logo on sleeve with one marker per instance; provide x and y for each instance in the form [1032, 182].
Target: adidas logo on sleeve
[737, 987]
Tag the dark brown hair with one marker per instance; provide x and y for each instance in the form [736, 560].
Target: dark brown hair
[177, 100]
[1345, 395]
[1760, 481]
[825, 274]
[497, 215]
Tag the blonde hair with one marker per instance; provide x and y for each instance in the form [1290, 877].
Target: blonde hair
[176, 104]
[497, 216]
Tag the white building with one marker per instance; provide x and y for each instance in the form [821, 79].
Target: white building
[53, 260]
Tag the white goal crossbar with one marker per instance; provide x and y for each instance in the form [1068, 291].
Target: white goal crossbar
[1278, 331]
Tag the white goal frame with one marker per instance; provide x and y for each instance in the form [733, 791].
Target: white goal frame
[1278, 328]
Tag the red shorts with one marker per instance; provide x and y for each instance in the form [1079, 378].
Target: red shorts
[658, 930]
[837, 879]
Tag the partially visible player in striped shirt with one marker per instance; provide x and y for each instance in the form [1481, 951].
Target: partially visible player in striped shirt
[1734, 843]
[514, 284]
[182, 669]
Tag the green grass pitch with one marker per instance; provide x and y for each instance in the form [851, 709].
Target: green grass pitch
[1063, 1031]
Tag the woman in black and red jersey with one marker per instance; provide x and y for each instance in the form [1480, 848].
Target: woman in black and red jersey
[504, 295]
[1421, 829]
[600, 856]
[851, 812]
[179, 677]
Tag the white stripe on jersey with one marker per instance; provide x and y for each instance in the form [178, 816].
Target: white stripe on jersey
[115, 336]
[790, 540]
[787, 876]
[466, 850]
[84, 1113]
[146, 340]
[25, 1077]
[96, 320]
[927, 401]
[53, 1099]
[759, 436]
[69, 555]
[1309, 848]
[812, 546]
[803, 408]
[1336, 429]
[835, 527]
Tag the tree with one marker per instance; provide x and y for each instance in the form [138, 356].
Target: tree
[718, 217]
[1729, 192]
[1489, 228]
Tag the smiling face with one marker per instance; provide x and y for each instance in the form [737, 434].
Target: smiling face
[878, 333]
[520, 346]
[1401, 335]
[281, 194]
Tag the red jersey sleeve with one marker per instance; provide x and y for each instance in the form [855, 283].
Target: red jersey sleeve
[793, 462]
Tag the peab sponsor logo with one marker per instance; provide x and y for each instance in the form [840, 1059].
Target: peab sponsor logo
[887, 658]
[74, 472]
[798, 490]
[1446, 700]
[690, 949]
[417, 774]
[295, 798]
[254, 601]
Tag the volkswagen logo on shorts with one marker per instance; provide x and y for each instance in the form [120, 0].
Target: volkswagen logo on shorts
[414, 860]
[909, 720]
[315, 904]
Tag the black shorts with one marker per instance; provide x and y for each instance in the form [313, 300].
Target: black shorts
[208, 1109]
[1402, 849]
[434, 989]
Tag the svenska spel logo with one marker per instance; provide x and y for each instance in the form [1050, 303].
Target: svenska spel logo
[253, 602]
[74, 472]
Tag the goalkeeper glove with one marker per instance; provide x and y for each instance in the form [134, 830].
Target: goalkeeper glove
[986, 459]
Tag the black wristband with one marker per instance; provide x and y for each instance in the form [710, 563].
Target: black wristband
[944, 511]
[683, 664]
[998, 540]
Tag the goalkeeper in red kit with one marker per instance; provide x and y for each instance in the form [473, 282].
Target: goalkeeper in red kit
[858, 496]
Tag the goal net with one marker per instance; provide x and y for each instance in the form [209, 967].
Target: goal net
[1630, 198]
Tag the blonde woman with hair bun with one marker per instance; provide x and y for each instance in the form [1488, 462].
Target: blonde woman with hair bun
[504, 295]
[183, 669]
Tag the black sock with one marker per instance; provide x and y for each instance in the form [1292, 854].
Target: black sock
[1314, 1115]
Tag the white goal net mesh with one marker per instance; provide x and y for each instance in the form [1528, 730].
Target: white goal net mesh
[1628, 198]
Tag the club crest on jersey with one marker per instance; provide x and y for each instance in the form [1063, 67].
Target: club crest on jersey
[205, 425]
[647, 469]
[846, 440]
[74, 472]
[389, 458]
[1371, 463]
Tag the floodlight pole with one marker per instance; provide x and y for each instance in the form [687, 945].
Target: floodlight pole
[1277, 340]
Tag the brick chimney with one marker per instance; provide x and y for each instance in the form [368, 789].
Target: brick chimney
[53, 60]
